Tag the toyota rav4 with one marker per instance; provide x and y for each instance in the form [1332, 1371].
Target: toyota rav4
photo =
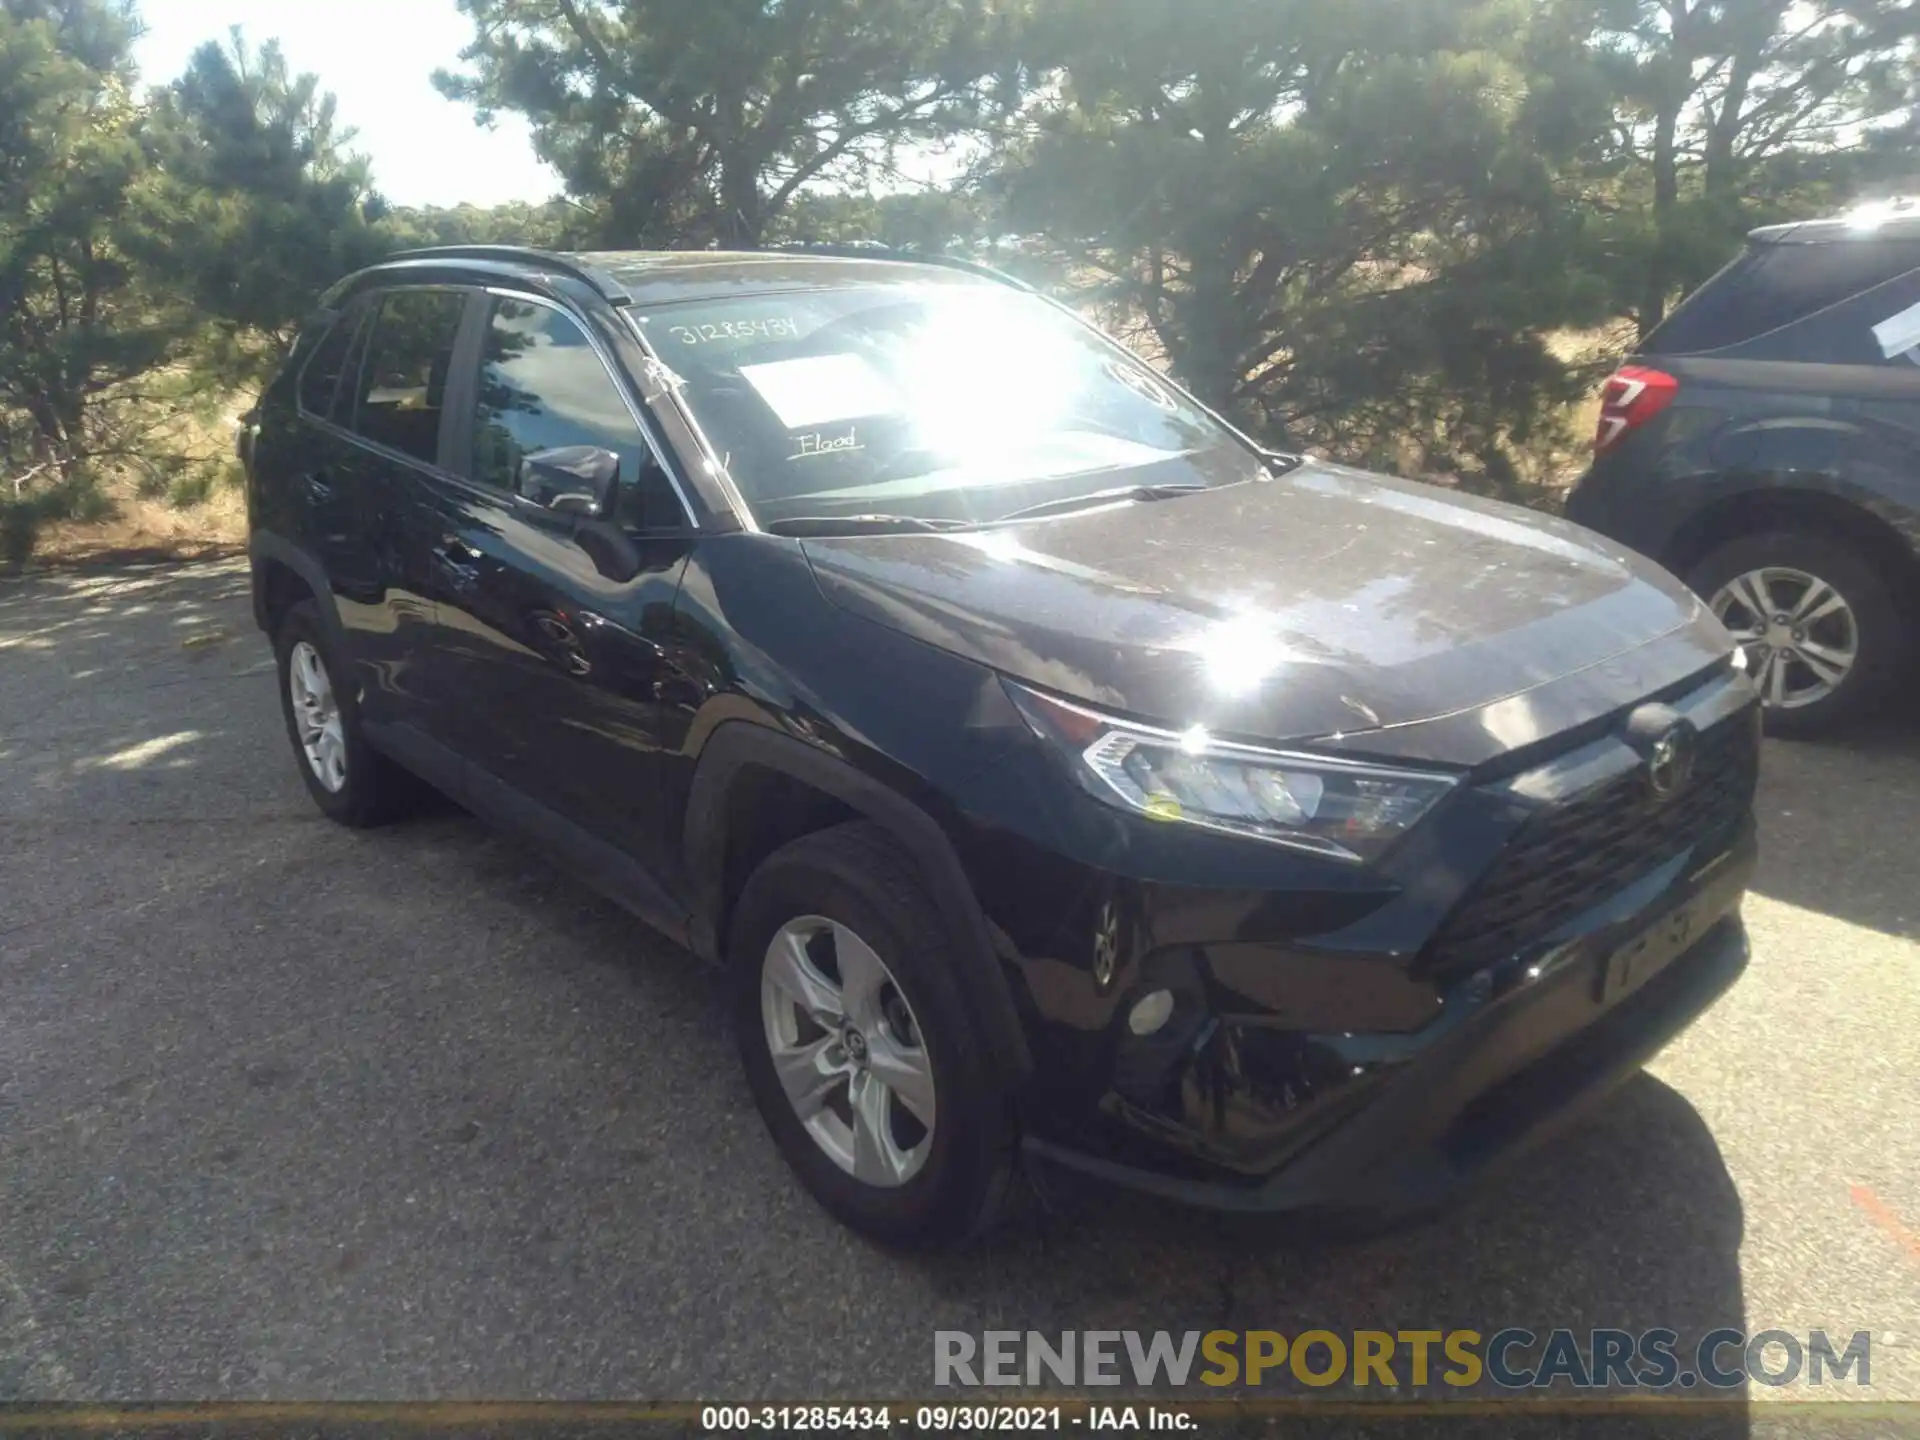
[1056, 775]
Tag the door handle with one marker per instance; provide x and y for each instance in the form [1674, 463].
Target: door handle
[319, 485]
[563, 646]
[556, 630]
[458, 561]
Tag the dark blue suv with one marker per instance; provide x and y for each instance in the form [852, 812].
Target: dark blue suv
[1054, 773]
[1765, 444]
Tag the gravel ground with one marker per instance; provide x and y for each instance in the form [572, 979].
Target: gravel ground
[292, 1112]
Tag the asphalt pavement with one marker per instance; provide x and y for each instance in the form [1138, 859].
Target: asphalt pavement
[288, 1111]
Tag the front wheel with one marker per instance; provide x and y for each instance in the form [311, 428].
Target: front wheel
[1817, 620]
[857, 1045]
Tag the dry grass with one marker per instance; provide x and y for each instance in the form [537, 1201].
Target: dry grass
[1597, 351]
[177, 494]
[148, 529]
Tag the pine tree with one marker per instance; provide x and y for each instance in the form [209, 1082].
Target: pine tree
[256, 201]
[1730, 113]
[1336, 223]
[73, 321]
[694, 124]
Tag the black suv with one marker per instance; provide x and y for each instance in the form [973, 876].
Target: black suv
[1765, 444]
[1052, 771]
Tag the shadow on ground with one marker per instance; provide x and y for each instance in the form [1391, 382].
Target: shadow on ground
[1837, 816]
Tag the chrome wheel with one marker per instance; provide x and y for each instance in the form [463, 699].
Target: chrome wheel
[847, 1051]
[1799, 634]
[316, 715]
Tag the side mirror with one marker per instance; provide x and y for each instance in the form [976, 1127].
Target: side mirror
[571, 480]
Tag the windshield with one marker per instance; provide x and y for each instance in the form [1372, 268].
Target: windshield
[938, 402]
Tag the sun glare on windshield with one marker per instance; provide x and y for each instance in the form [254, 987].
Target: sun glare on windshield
[943, 403]
[982, 381]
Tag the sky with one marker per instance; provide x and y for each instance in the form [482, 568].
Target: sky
[378, 57]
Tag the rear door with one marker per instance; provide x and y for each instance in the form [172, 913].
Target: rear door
[554, 648]
[324, 514]
[392, 408]
[1792, 367]
[1864, 352]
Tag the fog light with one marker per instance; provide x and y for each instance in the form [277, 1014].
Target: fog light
[1150, 1012]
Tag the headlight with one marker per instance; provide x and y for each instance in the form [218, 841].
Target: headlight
[1329, 806]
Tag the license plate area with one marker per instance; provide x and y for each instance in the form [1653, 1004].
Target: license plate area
[1631, 965]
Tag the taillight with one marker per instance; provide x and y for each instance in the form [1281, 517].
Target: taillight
[1633, 396]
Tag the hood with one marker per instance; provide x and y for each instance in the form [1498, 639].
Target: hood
[1322, 602]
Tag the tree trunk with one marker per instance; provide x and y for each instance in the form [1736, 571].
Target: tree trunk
[55, 421]
[740, 225]
[1666, 201]
[1749, 27]
[738, 143]
[1721, 179]
[1210, 367]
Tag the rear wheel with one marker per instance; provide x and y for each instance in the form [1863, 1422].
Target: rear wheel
[348, 780]
[1817, 620]
[857, 1045]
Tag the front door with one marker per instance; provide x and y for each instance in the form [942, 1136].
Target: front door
[553, 650]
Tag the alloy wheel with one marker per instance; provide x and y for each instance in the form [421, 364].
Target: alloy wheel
[1799, 633]
[848, 1051]
[316, 715]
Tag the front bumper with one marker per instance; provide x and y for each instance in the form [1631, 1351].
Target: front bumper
[1505, 1065]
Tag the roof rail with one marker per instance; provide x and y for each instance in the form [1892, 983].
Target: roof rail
[876, 250]
[608, 288]
[1897, 215]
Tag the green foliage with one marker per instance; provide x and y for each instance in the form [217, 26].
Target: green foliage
[75, 319]
[1370, 227]
[133, 267]
[23, 516]
[255, 203]
[19, 530]
[1728, 113]
[557, 225]
[1330, 220]
[694, 124]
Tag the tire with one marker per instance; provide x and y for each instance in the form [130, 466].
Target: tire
[852, 879]
[1880, 643]
[371, 789]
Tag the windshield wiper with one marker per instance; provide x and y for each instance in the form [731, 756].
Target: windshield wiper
[1069, 503]
[822, 525]
[826, 525]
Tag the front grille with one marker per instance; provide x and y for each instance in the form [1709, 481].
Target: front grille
[1583, 851]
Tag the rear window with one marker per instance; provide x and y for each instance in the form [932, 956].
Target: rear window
[320, 379]
[403, 380]
[1773, 285]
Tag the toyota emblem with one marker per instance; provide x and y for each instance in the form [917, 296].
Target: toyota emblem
[1670, 764]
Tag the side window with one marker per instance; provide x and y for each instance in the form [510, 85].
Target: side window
[320, 379]
[1879, 327]
[542, 387]
[1775, 284]
[403, 380]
